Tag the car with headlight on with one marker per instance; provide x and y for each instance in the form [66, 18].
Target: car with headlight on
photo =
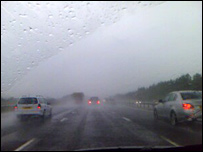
[180, 106]
[33, 106]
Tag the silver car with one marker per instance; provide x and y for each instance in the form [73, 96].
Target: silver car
[180, 106]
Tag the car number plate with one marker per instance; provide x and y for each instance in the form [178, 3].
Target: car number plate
[27, 107]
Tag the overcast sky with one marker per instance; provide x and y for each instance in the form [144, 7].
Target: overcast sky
[135, 49]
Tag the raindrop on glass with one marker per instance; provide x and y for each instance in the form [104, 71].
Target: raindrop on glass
[31, 29]
[50, 16]
[60, 48]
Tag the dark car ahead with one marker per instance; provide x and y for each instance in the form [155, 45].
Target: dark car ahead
[94, 101]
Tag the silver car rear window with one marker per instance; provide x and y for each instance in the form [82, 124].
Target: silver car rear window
[191, 95]
[28, 101]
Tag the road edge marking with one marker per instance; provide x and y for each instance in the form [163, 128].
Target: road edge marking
[25, 144]
[170, 141]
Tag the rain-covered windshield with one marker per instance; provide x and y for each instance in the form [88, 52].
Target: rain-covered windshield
[94, 99]
[191, 95]
[127, 55]
[28, 101]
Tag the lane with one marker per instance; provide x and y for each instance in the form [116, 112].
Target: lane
[63, 135]
[18, 132]
[82, 127]
[94, 127]
[107, 129]
[183, 134]
[10, 124]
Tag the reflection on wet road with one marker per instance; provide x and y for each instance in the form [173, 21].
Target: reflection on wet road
[83, 126]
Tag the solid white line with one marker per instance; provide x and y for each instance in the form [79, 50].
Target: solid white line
[25, 144]
[64, 119]
[171, 142]
[126, 119]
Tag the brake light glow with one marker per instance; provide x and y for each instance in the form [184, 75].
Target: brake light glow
[89, 102]
[98, 102]
[15, 107]
[39, 106]
[187, 106]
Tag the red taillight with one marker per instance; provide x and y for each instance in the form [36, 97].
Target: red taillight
[98, 102]
[39, 106]
[16, 107]
[89, 102]
[187, 106]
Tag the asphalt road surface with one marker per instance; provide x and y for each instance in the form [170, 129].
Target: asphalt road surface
[82, 127]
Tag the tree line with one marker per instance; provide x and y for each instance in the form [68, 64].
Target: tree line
[160, 90]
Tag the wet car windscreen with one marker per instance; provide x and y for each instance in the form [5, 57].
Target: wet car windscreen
[191, 95]
[27, 101]
[94, 99]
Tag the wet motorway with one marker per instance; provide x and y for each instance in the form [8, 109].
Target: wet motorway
[74, 127]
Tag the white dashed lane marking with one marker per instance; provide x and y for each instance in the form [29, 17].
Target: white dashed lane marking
[64, 119]
[25, 145]
[126, 119]
[170, 141]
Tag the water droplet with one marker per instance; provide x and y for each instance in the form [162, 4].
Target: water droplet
[22, 15]
[19, 44]
[50, 16]
[38, 4]
[9, 84]
[60, 48]
[25, 30]
[31, 29]
[38, 50]
[50, 34]
[28, 68]
[87, 32]
[73, 17]
[47, 4]
[33, 62]
[66, 7]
